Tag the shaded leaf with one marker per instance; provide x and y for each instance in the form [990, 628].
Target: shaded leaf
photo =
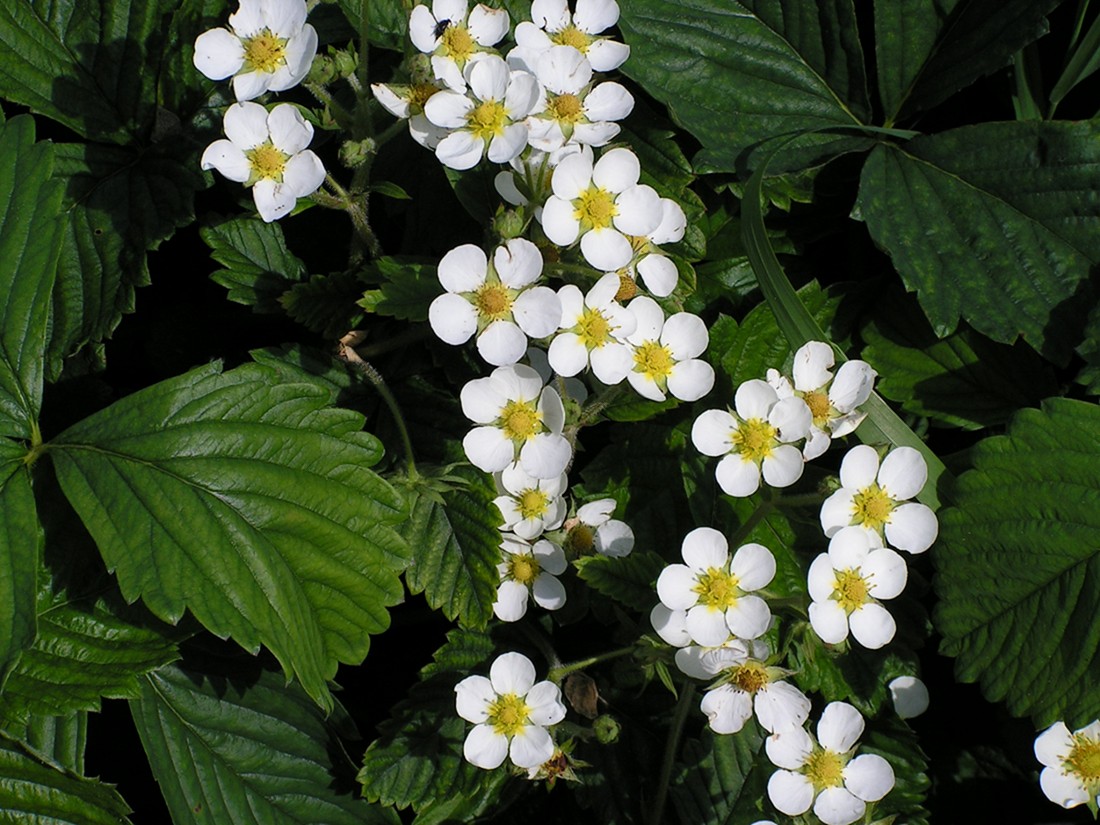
[258, 266]
[895, 742]
[30, 241]
[325, 303]
[1018, 565]
[232, 744]
[56, 739]
[739, 74]
[406, 289]
[719, 778]
[996, 223]
[1089, 349]
[21, 540]
[630, 580]
[248, 503]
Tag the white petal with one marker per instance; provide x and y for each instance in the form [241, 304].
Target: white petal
[290, 132]
[691, 380]
[780, 706]
[448, 109]
[551, 558]
[426, 133]
[537, 311]
[650, 320]
[422, 29]
[837, 806]
[736, 477]
[249, 18]
[511, 601]
[518, 263]
[508, 144]
[505, 184]
[749, 617]
[250, 85]
[910, 697]
[784, 466]
[567, 354]
[690, 662]
[617, 170]
[790, 793]
[754, 399]
[754, 566]
[218, 54]
[614, 539]
[789, 748]
[1063, 789]
[273, 200]
[246, 125]
[512, 673]
[482, 400]
[903, 473]
[227, 158]
[549, 593]
[685, 335]
[472, 698]
[872, 625]
[572, 176]
[645, 386]
[563, 70]
[712, 432]
[611, 363]
[604, 249]
[817, 442]
[607, 55]
[821, 578]
[600, 133]
[1053, 745]
[840, 727]
[488, 77]
[829, 621]
[912, 527]
[848, 548]
[463, 268]
[676, 587]
[836, 511]
[453, 10]
[447, 71]
[609, 101]
[852, 385]
[531, 37]
[812, 364]
[531, 747]
[595, 16]
[705, 548]
[304, 174]
[859, 468]
[285, 18]
[551, 409]
[544, 700]
[500, 343]
[552, 15]
[726, 708]
[792, 418]
[300, 52]
[558, 221]
[671, 625]
[485, 748]
[459, 150]
[707, 626]
[487, 26]
[488, 449]
[639, 210]
[885, 572]
[452, 318]
[546, 455]
[659, 274]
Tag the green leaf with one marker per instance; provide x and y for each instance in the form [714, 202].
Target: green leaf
[1082, 63]
[857, 676]
[997, 223]
[720, 778]
[258, 266]
[90, 67]
[1018, 565]
[1089, 349]
[894, 741]
[32, 790]
[964, 380]
[630, 580]
[926, 50]
[30, 240]
[233, 744]
[747, 71]
[21, 539]
[325, 304]
[56, 739]
[250, 504]
[389, 21]
[457, 537]
[406, 289]
[120, 202]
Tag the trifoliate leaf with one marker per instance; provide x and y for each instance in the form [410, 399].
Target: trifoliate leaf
[325, 304]
[258, 266]
[406, 289]
[30, 241]
[456, 534]
[630, 580]
[927, 50]
[998, 224]
[32, 790]
[250, 504]
[21, 539]
[737, 74]
[1018, 563]
[719, 778]
[56, 739]
[231, 743]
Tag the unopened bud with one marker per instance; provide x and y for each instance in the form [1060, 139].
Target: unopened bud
[322, 71]
[355, 152]
[346, 62]
[606, 728]
[508, 223]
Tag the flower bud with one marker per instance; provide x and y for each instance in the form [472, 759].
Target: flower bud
[322, 71]
[508, 223]
[355, 152]
[606, 728]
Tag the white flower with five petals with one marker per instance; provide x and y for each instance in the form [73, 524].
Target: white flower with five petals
[268, 47]
[452, 39]
[407, 102]
[267, 151]
[594, 329]
[666, 353]
[658, 271]
[755, 440]
[528, 571]
[593, 530]
[510, 713]
[1071, 764]
[529, 506]
[552, 24]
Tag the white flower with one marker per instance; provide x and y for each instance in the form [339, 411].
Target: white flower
[715, 590]
[594, 329]
[833, 401]
[600, 204]
[658, 271]
[407, 102]
[445, 32]
[488, 120]
[268, 153]
[846, 585]
[499, 302]
[529, 570]
[1071, 764]
[571, 109]
[270, 47]
[910, 696]
[756, 440]
[529, 177]
[742, 683]
[671, 625]
[554, 25]
[510, 713]
[594, 531]
[530, 506]
[824, 774]
[519, 418]
[877, 499]
[665, 353]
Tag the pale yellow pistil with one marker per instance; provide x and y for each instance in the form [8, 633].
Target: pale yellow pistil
[593, 329]
[871, 507]
[493, 302]
[572, 36]
[595, 208]
[754, 439]
[717, 589]
[265, 52]
[653, 360]
[851, 590]
[267, 162]
[581, 540]
[487, 119]
[819, 405]
[567, 108]
[749, 677]
[825, 769]
[509, 714]
[457, 43]
[523, 568]
[532, 503]
[520, 420]
[1084, 761]
[419, 95]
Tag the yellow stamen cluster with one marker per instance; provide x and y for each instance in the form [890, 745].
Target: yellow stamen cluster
[1084, 760]
[654, 360]
[754, 439]
[457, 43]
[267, 162]
[825, 769]
[593, 329]
[628, 288]
[717, 589]
[595, 208]
[509, 714]
[851, 590]
[567, 107]
[493, 301]
[487, 119]
[581, 540]
[572, 36]
[871, 507]
[520, 420]
[523, 568]
[532, 502]
[265, 52]
[819, 405]
[749, 677]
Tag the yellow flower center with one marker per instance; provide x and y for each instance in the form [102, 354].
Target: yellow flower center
[572, 36]
[581, 540]
[717, 589]
[595, 208]
[508, 714]
[750, 677]
[871, 507]
[493, 301]
[754, 439]
[593, 329]
[265, 52]
[457, 43]
[419, 95]
[520, 420]
[267, 162]
[851, 590]
[523, 568]
[487, 119]
[1084, 759]
[653, 360]
[819, 405]
[566, 107]
[825, 769]
[532, 502]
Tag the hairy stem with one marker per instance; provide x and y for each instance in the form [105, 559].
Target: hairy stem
[348, 354]
[561, 671]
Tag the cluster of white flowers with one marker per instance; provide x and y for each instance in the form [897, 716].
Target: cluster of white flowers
[268, 47]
